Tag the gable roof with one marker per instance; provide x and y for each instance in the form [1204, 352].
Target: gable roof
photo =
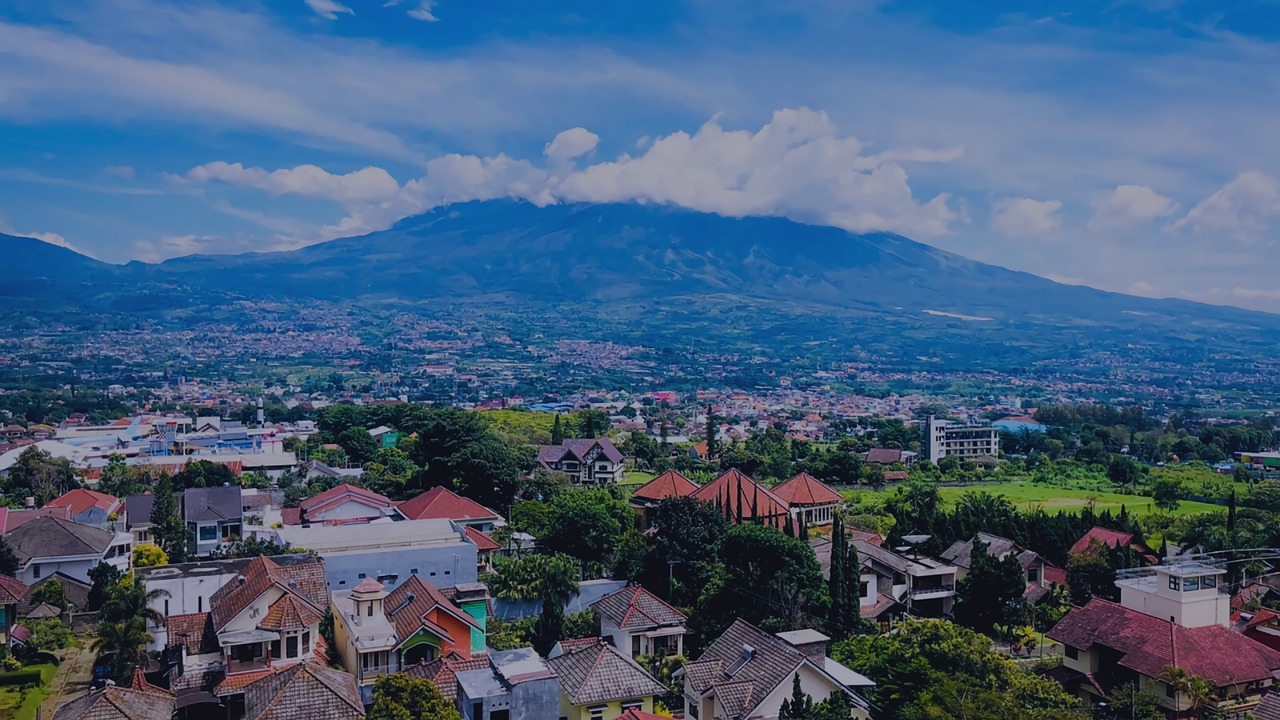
[409, 605]
[304, 580]
[137, 508]
[48, 536]
[634, 607]
[290, 613]
[118, 703]
[1149, 644]
[81, 499]
[483, 542]
[1110, 538]
[960, 553]
[210, 504]
[599, 673]
[884, 456]
[737, 495]
[441, 503]
[341, 493]
[193, 631]
[443, 672]
[667, 485]
[804, 489]
[12, 590]
[305, 690]
[12, 519]
[742, 686]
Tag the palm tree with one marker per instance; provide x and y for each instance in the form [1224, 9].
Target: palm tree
[123, 644]
[129, 599]
[1197, 690]
[537, 577]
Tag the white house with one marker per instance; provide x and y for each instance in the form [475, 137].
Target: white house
[48, 545]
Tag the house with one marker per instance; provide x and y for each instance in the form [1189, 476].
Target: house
[189, 587]
[441, 503]
[516, 685]
[1262, 626]
[920, 585]
[743, 500]
[637, 622]
[599, 682]
[48, 545]
[485, 549]
[308, 690]
[12, 593]
[378, 632]
[120, 703]
[11, 433]
[809, 501]
[646, 498]
[888, 456]
[443, 672]
[748, 673]
[589, 462]
[344, 503]
[11, 519]
[213, 516]
[89, 507]
[76, 592]
[1115, 539]
[317, 467]
[389, 552]
[137, 513]
[1033, 566]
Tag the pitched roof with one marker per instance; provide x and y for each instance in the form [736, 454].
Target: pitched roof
[578, 448]
[748, 683]
[1110, 538]
[305, 690]
[960, 553]
[443, 672]
[740, 497]
[12, 519]
[12, 590]
[1269, 708]
[599, 673]
[290, 613]
[342, 492]
[667, 485]
[81, 499]
[194, 631]
[635, 607]
[138, 509]
[210, 504]
[118, 703]
[409, 606]
[884, 456]
[804, 489]
[47, 536]
[443, 503]
[483, 542]
[1149, 644]
[304, 580]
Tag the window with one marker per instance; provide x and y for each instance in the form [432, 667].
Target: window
[35, 570]
[369, 610]
[597, 711]
[500, 715]
[1073, 653]
[628, 704]
[208, 533]
[1191, 583]
[166, 608]
[1208, 581]
[413, 571]
[291, 646]
[1173, 583]
[635, 645]
[199, 603]
[275, 649]
[1033, 575]
[1170, 691]
[361, 576]
[863, 589]
[306, 642]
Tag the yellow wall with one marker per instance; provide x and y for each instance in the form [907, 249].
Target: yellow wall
[579, 712]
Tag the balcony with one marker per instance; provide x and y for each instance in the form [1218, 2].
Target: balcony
[937, 591]
[243, 666]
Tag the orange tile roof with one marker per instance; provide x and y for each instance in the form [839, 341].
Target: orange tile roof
[804, 489]
[289, 613]
[442, 503]
[740, 498]
[483, 542]
[667, 485]
[81, 499]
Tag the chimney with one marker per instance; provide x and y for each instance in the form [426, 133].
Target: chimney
[29, 502]
[260, 413]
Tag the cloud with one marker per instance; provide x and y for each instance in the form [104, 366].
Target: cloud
[1020, 217]
[1130, 206]
[328, 9]
[51, 238]
[124, 172]
[1144, 289]
[370, 184]
[424, 12]
[1244, 209]
[570, 144]
[171, 246]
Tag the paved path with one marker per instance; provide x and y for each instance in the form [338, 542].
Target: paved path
[72, 680]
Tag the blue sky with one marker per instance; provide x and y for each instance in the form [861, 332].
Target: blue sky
[1129, 145]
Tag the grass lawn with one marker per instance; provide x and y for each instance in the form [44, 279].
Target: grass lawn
[19, 704]
[1026, 496]
[636, 477]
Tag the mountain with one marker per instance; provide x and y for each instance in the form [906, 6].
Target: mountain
[661, 275]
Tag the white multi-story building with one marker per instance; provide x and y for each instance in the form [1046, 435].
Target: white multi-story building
[940, 438]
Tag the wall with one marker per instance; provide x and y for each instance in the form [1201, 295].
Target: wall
[479, 611]
[812, 682]
[443, 567]
[612, 711]
[349, 510]
[341, 637]
[77, 568]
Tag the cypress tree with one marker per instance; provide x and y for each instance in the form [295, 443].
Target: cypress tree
[853, 588]
[166, 523]
[557, 432]
[836, 584]
[711, 433]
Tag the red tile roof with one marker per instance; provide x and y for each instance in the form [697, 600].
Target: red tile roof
[304, 580]
[1148, 645]
[444, 671]
[483, 542]
[1055, 575]
[408, 617]
[340, 493]
[667, 485]
[12, 591]
[290, 613]
[442, 503]
[741, 498]
[80, 500]
[804, 489]
[193, 631]
[1110, 538]
[634, 607]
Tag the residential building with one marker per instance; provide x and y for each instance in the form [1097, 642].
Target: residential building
[1191, 594]
[1115, 539]
[589, 462]
[389, 552]
[516, 685]
[918, 584]
[889, 456]
[137, 512]
[119, 703]
[48, 545]
[213, 516]
[76, 592]
[89, 507]
[443, 672]
[748, 673]
[342, 504]
[646, 498]
[1034, 567]
[743, 500]
[637, 622]
[378, 632]
[305, 690]
[599, 682]
[12, 594]
[940, 438]
[441, 503]
[810, 502]
[11, 518]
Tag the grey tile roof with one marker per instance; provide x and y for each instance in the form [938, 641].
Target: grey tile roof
[961, 552]
[138, 509]
[306, 690]
[118, 703]
[48, 536]
[1269, 708]
[600, 674]
[578, 449]
[634, 607]
[771, 662]
[210, 504]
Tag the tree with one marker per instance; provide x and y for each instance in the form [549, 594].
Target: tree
[487, 472]
[8, 560]
[586, 525]
[123, 645]
[51, 593]
[1090, 573]
[1166, 492]
[119, 479]
[534, 577]
[148, 555]
[167, 526]
[986, 592]
[1194, 688]
[39, 475]
[1129, 702]
[1123, 472]
[593, 423]
[400, 697]
[548, 629]
[253, 547]
[442, 434]
[687, 537]
[204, 473]
[129, 598]
[557, 431]
[103, 577]
[711, 433]
[358, 444]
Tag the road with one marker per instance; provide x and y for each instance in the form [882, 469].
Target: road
[72, 680]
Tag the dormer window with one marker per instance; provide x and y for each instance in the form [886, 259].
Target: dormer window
[1173, 583]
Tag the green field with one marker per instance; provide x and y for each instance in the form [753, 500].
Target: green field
[637, 477]
[1027, 496]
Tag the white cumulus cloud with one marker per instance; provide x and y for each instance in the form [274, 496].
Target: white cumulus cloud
[1130, 206]
[370, 184]
[425, 11]
[1245, 209]
[1020, 217]
[328, 9]
[570, 144]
